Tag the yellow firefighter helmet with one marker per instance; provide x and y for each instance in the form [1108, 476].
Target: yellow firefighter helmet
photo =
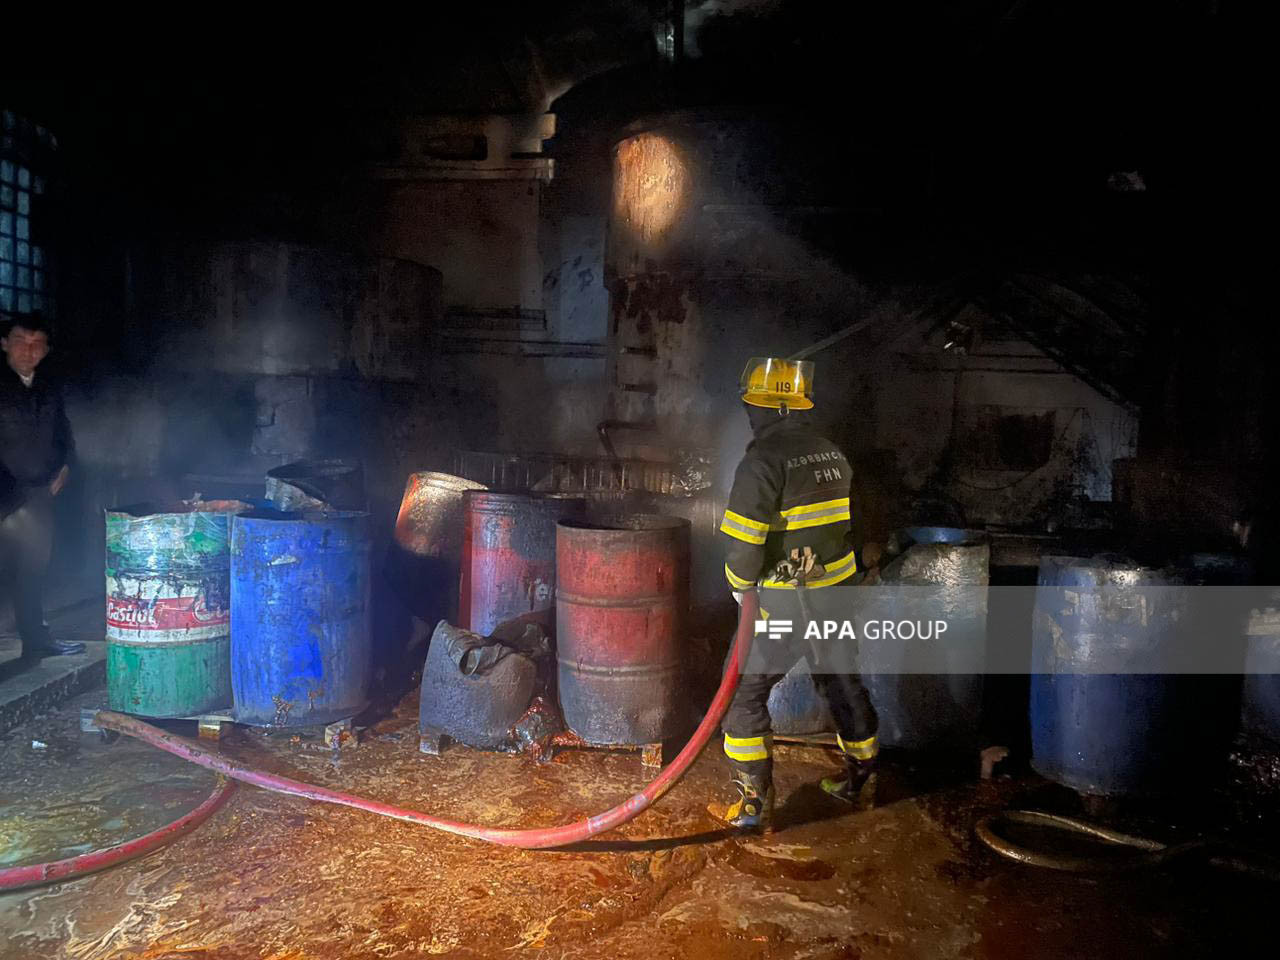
[773, 381]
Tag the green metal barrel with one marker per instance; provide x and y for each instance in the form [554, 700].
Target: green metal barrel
[168, 608]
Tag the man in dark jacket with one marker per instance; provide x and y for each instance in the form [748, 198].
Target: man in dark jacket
[788, 526]
[35, 454]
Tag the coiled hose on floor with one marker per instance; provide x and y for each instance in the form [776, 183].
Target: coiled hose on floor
[56, 871]
[1151, 853]
[535, 839]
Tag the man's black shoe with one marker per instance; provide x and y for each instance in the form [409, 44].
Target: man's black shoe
[56, 648]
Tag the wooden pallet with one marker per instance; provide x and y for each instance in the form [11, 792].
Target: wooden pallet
[432, 742]
[215, 725]
[652, 755]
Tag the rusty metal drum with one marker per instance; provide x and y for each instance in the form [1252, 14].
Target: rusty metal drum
[509, 559]
[622, 597]
[423, 563]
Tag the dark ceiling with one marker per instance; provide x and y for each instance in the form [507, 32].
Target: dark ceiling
[1028, 108]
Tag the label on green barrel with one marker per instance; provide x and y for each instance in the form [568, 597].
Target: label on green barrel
[168, 575]
[151, 610]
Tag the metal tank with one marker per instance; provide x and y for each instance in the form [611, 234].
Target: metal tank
[796, 709]
[1104, 719]
[1260, 698]
[926, 697]
[167, 618]
[509, 559]
[423, 563]
[622, 595]
[300, 637]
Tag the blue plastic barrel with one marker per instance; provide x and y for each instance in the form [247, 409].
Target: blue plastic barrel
[300, 638]
[1104, 720]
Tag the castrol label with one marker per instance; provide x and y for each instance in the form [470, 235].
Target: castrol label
[146, 610]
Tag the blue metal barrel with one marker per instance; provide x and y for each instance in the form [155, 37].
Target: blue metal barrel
[1104, 720]
[300, 637]
[928, 698]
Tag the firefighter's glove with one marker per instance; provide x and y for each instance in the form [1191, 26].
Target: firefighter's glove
[798, 567]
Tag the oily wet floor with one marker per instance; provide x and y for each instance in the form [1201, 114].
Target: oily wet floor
[280, 878]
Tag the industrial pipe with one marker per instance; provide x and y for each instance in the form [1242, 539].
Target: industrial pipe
[535, 839]
[37, 874]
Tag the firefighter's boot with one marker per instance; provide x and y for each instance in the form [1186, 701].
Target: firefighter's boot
[849, 787]
[753, 810]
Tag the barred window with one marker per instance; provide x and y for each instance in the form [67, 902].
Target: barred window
[24, 271]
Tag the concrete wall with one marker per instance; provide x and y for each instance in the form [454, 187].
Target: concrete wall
[482, 235]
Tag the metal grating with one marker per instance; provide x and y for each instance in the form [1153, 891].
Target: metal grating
[553, 473]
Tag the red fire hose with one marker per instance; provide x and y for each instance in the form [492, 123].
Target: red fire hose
[528, 839]
[33, 875]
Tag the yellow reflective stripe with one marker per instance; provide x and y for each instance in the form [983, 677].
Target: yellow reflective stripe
[839, 570]
[740, 528]
[751, 538]
[817, 514]
[747, 748]
[736, 581]
[859, 749]
[745, 521]
[836, 571]
[839, 516]
[816, 507]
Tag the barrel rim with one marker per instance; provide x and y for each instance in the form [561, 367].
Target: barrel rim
[655, 523]
[446, 481]
[509, 496]
[300, 516]
[1113, 563]
[152, 509]
[327, 468]
[946, 536]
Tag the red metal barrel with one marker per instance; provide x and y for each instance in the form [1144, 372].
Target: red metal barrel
[622, 599]
[509, 559]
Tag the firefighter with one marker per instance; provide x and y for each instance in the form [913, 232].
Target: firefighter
[787, 531]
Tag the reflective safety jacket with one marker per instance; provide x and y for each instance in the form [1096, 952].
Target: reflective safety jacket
[791, 491]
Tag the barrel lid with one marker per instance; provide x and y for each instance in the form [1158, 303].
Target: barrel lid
[307, 516]
[302, 469]
[628, 521]
[945, 535]
[447, 481]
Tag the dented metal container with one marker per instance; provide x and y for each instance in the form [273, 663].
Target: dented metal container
[423, 564]
[946, 571]
[167, 618]
[509, 559]
[796, 708]
[622, 597]
[468, 700]
[1260, 700]
[300, 639]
